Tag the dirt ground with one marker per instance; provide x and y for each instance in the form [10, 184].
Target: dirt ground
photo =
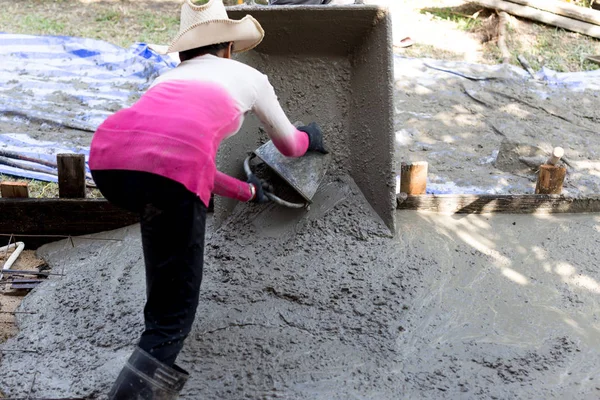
[459, 117]
[9, 298]
[461, 31]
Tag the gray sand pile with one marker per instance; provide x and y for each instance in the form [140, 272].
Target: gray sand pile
[325, 305]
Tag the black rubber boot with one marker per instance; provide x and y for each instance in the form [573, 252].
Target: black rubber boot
[146, 378]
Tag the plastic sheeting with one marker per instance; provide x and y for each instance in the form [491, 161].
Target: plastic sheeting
[428, 70]
[55, 90]
[51, 84]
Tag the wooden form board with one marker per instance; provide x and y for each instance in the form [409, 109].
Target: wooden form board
[509, 204]
[70, 217]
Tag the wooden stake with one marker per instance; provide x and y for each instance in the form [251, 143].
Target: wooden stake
[71, 176]
[14, 190]
[413, 178]
[502, 24]
[550, 179]
[557, 154]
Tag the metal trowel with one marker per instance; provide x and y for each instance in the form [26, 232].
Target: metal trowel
[303, 174]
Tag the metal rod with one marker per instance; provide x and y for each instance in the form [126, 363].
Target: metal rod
[7, 161]
[17, 312]
[43, 398]
[32, 384]
[17, 156]
[56, 236]
[23, 272]
[17, 351]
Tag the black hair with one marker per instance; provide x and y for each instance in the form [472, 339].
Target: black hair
[199, 51]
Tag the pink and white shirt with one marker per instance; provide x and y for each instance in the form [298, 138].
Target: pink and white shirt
[175, 128]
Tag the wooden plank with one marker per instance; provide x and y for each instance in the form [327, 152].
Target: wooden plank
[564, 9]
[509, 204]
[11, 190]
[542, 16]
[70, 217]
[71, 176]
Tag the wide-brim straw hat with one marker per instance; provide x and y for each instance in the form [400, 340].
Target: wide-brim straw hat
[206, 24]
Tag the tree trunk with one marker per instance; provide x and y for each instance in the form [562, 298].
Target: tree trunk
[564, 9]
[542, 16]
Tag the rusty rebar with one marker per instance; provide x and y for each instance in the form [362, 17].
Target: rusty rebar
[11, 235]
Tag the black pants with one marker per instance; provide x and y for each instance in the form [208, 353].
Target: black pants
[172, 223]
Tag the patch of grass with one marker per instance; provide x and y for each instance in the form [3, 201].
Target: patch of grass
[428, 51]
[553, 48]
[122, 23]
[542, 45]
[153, 26]
[43, 24]
[584, 3]
[109, 16]
[464, 22]
[39, 189]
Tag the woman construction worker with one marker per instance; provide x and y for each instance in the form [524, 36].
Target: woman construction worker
[157, 158]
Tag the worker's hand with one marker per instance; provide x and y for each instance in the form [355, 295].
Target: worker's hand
[259, 192]
[315, 137]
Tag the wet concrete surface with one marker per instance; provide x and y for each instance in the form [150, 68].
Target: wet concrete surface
[332, 65]
[325, 304]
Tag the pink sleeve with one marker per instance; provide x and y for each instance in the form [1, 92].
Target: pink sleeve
[289, 141]
[227, 186]
[292, 146]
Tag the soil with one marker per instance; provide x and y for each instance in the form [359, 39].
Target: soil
[457, 115]
[10, 299]
[325, 304]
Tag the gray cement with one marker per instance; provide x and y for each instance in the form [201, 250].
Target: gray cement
[326, 305]
[332, 65]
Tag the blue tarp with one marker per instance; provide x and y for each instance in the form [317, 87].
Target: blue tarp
[55, 90]
[51, 84]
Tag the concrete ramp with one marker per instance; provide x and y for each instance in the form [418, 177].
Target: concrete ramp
[332, 65]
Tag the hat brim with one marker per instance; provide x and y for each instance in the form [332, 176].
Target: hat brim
[245, 34]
